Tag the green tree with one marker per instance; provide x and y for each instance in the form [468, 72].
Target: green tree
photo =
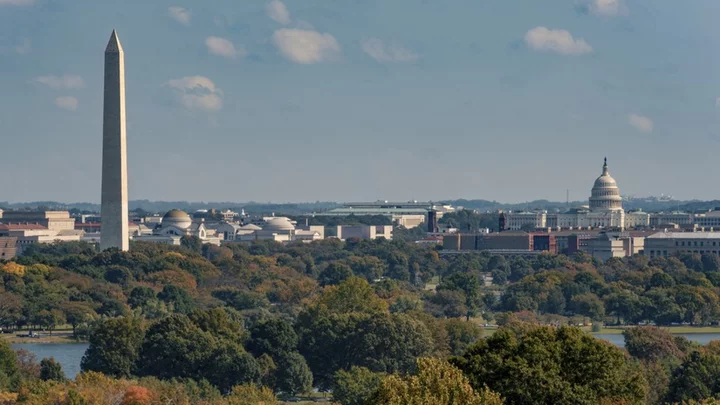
[469, 285]
[698, 378]
[369, 267]
[9, 371]
[546, 365]
[192, 243]
[178, 297]
[625, 305]
[174, 347]
[251, 394]
[114, 347]
[461, 335]
[11, 309]
[112, 308]
[652, 344]
[293, 374]
[118, 275]
[51, 370]
[381, 342]
[78, 313]
[48, 319]
[352, 295]
[241, 300]
[141, 296]
[274, 336]
[448, 303]
[334, 274]
[227, 366]
[589, 305]
[355, 386]
[435, 383]
[219, 322]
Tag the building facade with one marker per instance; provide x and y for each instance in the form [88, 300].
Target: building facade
[52, 220]
[345, 232]
[608, 245]
[176, 224]
[663, 244]
[604, 211]
[406, 214]
[8, 248]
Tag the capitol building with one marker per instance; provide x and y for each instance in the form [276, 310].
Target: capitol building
[604, 211]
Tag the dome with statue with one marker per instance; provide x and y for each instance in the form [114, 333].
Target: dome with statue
[605, 195]
[177, 218]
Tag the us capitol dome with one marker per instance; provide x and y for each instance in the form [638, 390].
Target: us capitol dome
[605, 195]
[604, 212]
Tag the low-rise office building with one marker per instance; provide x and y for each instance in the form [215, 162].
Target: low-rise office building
[344, 232]
[501, 242]
[608, 245]
[675, 217]
[663, 244]
[52, 220]
[406, 214]
[29, 234]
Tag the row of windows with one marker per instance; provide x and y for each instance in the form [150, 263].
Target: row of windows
[694, 243]
[654, 253]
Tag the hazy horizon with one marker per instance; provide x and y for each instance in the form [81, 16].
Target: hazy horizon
[347, 101]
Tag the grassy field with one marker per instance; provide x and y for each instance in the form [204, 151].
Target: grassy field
[58, 336]
[616, 330]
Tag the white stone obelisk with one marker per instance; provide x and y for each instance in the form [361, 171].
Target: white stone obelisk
[114, 209]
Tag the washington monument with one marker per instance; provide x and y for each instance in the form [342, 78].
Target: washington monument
[114, 209]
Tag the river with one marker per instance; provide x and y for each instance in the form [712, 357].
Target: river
[619, 340]
[70, 354]
[67, 354]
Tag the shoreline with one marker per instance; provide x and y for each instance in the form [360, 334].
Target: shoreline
[61, 338]
[675, 330]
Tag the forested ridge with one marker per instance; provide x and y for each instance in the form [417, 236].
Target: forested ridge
[369, 321]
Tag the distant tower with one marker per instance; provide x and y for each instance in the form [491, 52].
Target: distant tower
[114, 210]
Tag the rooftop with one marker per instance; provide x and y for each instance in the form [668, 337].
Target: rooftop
[373, 211]
[685, 235]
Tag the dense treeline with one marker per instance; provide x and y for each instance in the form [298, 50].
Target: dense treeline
[363, 319]
[471, 221]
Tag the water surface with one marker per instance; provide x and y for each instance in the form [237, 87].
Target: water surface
[68, 355]
[619, 340]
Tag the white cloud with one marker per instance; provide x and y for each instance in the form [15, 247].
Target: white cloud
[179, 14]
[61, 82]
[277, 10]
[381, 52]
[560, 41]
[222, 47]
[641, 123]
[197, 93]
[608, 8]
[717, 102]
[67, 103]
[17, 2]
[305, 46]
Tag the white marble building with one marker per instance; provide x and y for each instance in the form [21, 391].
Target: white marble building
[176, 224]
[605, 210]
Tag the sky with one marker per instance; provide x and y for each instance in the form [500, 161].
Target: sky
[345, 100]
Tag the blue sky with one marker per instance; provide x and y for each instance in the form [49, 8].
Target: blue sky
[307, 100]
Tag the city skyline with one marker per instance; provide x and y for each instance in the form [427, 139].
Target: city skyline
[227, 104]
